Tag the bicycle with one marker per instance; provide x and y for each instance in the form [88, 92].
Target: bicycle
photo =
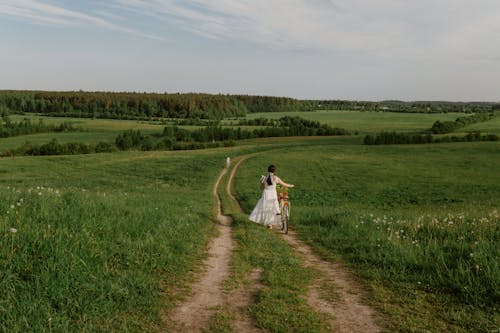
[284, 207]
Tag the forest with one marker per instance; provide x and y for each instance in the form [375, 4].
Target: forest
[135, 105]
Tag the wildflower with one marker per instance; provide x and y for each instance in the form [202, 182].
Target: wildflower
[471, 254]
[12, 207]
[13, 230]
[39, 193]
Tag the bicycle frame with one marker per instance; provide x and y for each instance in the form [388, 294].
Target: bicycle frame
[284, 207]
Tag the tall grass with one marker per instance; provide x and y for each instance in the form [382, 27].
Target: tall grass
[95, 244]
[416, 222]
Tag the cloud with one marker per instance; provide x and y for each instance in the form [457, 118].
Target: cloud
[423, 30]
[388, 28]
[37, 12]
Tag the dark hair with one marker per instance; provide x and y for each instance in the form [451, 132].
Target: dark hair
[269, 180]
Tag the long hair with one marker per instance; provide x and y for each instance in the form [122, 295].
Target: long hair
[269, 179]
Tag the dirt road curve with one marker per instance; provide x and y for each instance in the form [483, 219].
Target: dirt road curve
[346, 312]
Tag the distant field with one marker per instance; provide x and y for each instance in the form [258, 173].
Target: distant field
[490, 126]
[94, 124]
[95, 130]
[367, 121]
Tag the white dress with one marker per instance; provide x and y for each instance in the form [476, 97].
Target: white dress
[267, 208]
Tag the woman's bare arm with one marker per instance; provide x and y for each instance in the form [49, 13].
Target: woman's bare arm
[282, 183]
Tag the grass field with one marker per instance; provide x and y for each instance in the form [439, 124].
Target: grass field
[367, 122]
[94, 130]
[420, 224]
[91, 243]
[491, 126]
[100, 242]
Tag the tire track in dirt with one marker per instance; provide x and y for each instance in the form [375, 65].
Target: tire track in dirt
[195, 312]
[243, 297]
[346, 313]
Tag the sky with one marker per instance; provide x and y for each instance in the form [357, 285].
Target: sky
[307, 49]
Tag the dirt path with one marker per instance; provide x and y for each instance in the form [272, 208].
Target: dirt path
[346, 312]
[194, 313]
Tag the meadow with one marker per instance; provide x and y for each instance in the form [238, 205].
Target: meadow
[100, 242]
[93, 130]
[367, 122]
[90, 243]
[418, 223]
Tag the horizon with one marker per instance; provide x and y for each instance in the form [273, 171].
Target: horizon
[308, 50]
[242, 94]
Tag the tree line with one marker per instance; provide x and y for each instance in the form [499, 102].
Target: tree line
[173, 136]
[388, 138]
[402, 106]
[140, 105]
[10, 128]
[176, 138]
[440, 127]
[133, 105]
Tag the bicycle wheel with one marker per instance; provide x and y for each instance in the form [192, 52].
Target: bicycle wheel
[285, 216]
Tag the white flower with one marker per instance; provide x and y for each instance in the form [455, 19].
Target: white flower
[12, 207]
[13, 230]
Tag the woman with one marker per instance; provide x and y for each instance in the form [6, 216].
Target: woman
[268, 207]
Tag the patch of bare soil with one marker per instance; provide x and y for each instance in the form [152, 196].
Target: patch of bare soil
[346, 310]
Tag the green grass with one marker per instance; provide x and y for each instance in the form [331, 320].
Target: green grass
[94, 130]
[417, 222]
[101, 239]
[490, 126]
[367, 122]
[280, 305]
